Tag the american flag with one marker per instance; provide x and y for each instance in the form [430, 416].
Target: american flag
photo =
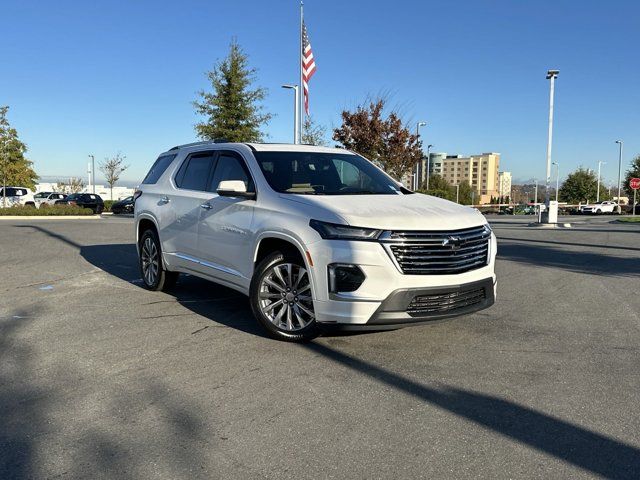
[308, 67]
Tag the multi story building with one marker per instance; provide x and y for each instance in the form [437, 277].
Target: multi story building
[479, 171]
[504, 184]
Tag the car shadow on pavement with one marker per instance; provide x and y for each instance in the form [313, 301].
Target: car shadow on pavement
[571, 443]
[572, 260]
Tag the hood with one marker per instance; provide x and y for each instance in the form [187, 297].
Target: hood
[394, 212]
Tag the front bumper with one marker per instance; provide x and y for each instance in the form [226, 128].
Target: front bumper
[381, 301]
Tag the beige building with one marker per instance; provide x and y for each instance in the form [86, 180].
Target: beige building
[479, 171]
[504, 184]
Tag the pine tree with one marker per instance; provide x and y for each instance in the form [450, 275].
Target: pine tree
[232, 110]
[15, 169]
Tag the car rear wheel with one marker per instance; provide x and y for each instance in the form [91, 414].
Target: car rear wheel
[281, 298]
[154, 275]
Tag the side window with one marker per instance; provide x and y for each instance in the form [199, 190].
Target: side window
[230, 166]
[194, 172]
[158, 168]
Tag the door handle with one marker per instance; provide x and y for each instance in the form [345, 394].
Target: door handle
[206, 206]
[165, 199]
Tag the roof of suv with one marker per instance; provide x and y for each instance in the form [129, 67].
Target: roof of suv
[267, 147]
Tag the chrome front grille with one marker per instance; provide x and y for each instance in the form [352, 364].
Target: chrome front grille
[439, 253]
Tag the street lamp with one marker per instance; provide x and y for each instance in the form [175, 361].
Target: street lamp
[600, 163]
[297, 137]
[428, 163]
[619, 142]
[551, 75]
[93, 173]
[457, 193]
[557, 179]
[418, 125]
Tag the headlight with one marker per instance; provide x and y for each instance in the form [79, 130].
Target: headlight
[332, 231]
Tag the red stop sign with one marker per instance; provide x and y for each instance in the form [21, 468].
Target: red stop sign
[634, 183]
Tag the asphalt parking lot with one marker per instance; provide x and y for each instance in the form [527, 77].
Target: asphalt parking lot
[100, 378]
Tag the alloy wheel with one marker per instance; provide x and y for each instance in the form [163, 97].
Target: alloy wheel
[285, 297]
[150, 261]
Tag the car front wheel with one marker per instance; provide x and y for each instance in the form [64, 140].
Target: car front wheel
[281, 298]
[154, 275]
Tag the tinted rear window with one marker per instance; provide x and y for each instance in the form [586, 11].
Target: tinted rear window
[158, 168]
[194, 172]
[14, 192]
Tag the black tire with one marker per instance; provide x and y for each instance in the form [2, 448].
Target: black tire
[263, 269]
[163, 279]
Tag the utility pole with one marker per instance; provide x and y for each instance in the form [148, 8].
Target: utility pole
[457, 193]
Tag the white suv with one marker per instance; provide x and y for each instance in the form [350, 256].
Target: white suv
[316, 237]
[12, 196]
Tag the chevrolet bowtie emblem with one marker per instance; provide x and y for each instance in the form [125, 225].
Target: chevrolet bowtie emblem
[452, 241]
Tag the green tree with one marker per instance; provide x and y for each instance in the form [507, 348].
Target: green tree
[15, 169]
[582, 186]
[112, 168]
[232, 109]
[633, 172]
[380, 137]
[313, 133]
[439, 187]
[466, 194]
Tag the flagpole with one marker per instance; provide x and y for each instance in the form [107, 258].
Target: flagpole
[301, 96]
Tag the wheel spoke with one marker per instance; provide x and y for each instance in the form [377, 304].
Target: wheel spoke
[273, 305]
[289, 275]
[278, 274]
[298, 314]
[268, 295]
[300, 277]
[289, 322]
[278, 317]
[273, 284]
[304, 289]
[306, 310]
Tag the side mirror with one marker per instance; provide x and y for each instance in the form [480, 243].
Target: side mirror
[234, 188]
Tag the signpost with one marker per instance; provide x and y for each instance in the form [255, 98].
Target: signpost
[634, 183]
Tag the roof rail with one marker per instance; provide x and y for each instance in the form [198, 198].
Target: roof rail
[204, 142]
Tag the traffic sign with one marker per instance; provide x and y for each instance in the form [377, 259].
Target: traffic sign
[634, 183]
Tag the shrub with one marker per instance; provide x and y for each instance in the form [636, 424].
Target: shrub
[44, 211]
[108, 204]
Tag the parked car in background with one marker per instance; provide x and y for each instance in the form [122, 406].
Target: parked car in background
[84, 200]
[47, 198]
[316, 237]
[607, 206]
[123, 206]
[16, 196]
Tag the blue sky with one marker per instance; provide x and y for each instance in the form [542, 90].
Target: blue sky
[102, 77]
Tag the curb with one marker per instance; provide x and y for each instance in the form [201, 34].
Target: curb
[49, 217]
[549, 225]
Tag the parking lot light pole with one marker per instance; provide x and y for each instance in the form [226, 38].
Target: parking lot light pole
[551, 75]
[619, 142]
[557, 179]
[297, 137]
[418, 125]
[93, 173]
[428, 163]
[457, 193]
[600, 163]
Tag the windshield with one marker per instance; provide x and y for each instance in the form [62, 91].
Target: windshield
[313, 173]
[42, 195]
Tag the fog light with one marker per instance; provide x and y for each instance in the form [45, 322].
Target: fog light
[344, 278]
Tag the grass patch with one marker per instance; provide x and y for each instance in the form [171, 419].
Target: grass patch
[635, 219]
[44, 211]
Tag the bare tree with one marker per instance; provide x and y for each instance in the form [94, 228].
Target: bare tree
[112, 168]
[74, 185]
[313, 133]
